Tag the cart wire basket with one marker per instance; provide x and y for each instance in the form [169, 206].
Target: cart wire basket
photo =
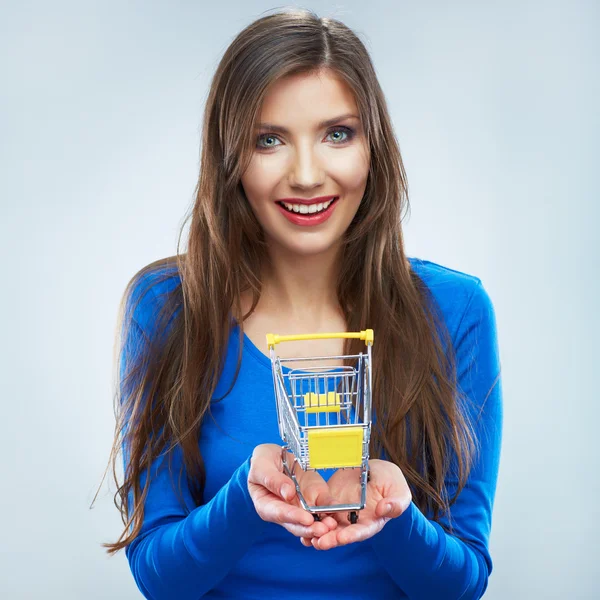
[324, 414]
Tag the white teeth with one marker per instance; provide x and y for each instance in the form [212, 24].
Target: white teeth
[305, 209]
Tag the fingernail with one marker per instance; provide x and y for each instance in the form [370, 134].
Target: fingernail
[387, 509]
[286, 490]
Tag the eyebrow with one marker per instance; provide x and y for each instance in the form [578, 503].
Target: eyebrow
[327, 123]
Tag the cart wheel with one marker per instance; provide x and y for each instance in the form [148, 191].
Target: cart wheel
[317, 517]
[353, 517]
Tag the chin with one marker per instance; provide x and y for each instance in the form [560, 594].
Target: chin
[311, 249]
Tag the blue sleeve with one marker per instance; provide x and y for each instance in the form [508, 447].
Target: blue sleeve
[423, 560]
[184, 556]
[184, 551]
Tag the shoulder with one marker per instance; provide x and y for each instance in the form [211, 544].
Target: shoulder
[459, 296]
[146, 291]
[442, 279]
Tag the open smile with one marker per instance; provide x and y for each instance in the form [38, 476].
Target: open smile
[308, 214]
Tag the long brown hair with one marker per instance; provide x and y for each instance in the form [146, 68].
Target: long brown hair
[421, 421]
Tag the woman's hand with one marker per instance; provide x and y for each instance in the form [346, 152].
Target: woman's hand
[274, 494]
[388, 496]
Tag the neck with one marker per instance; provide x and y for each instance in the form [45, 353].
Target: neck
[301, 287]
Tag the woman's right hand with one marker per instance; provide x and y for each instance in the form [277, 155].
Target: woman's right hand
[275, 498]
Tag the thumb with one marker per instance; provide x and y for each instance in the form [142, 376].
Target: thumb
[390, 508]
[325, 497]
[266, 474]
[314, 488]
[317, 493]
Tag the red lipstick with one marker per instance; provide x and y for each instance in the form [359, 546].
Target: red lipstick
[306, 200]
[308, 219]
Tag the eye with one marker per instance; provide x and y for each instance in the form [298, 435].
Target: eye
[265, 136]
[349, 132]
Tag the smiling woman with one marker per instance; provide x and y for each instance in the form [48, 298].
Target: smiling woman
[296, 228]
[299, 113]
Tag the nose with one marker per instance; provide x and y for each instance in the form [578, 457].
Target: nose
[306, 170]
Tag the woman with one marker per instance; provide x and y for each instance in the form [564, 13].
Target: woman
[296, 228]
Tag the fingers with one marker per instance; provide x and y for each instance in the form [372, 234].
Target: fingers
[274, 494]
[343, 536]
[317, 529]
[328, 524]
[266, 471]
[272, 491]
[325, 542]
[277, 483]
[282, 513]
[390, 508]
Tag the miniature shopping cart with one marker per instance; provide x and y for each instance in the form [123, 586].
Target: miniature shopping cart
[324, 414]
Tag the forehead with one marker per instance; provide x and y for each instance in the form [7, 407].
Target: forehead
[310, 98]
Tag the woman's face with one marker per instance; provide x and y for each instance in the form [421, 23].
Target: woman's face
[298, 158]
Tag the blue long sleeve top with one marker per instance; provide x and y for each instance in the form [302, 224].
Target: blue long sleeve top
[223, 549]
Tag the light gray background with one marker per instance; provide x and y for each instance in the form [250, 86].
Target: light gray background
[495, 106]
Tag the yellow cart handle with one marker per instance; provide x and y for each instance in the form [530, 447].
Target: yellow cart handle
[273, 338]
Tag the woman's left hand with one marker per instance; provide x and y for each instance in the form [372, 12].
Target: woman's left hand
[388, 496]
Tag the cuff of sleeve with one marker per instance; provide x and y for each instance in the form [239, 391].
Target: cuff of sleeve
[414, 538]
[422, 559]
[227, 525]
[411, 548]
[250, 516]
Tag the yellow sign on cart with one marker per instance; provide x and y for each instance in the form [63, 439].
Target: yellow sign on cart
[320, 403]
[335, 447]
